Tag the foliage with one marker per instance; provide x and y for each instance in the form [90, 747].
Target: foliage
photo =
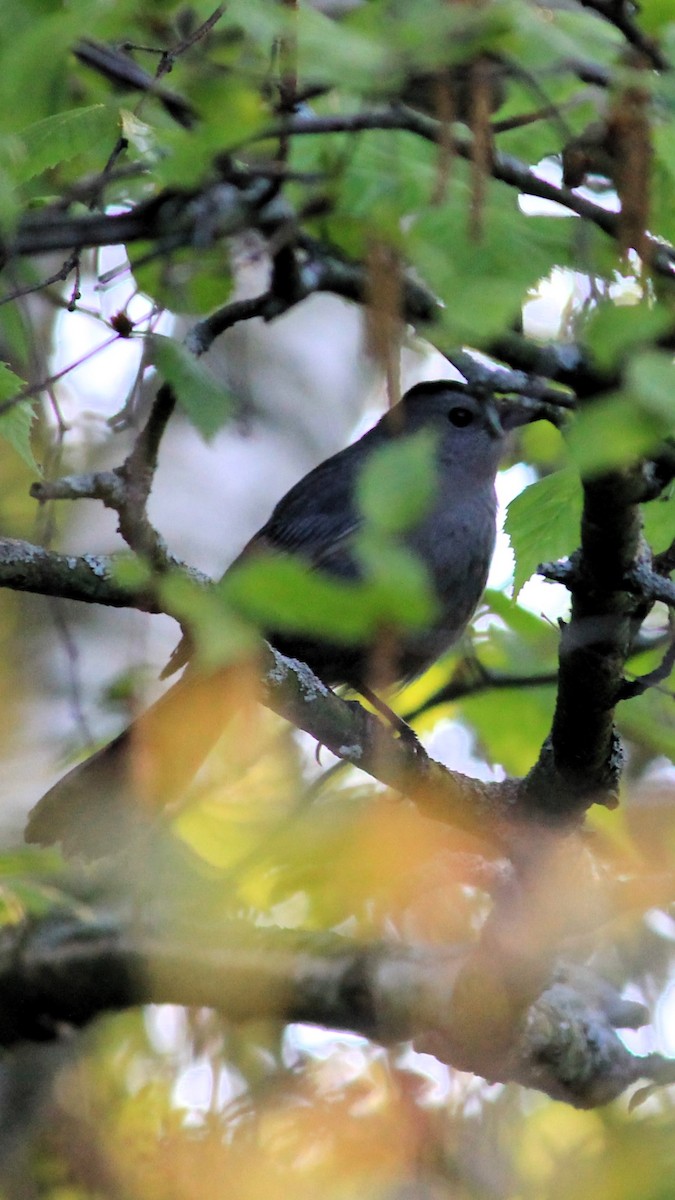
[179, 1102]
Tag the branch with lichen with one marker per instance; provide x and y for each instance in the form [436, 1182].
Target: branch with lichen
[63, 971]
[126, 488]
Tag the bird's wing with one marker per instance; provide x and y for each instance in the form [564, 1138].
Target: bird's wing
[316, 519]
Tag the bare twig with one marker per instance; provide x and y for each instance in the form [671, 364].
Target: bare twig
[126, 488]
[119, 68]
[471, 677]
[317, 270]
[620, 14]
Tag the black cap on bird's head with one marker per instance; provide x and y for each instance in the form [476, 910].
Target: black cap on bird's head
[471, 427]
[460, 403]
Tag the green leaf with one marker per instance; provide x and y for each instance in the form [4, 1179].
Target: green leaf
[59, 138]
[130, 571]
[16, 422]
[231, 111]
[611, 432]
[523, 628]
[543, 522]
[397, 484]
[655, 15]
[34, 64]
[659, 521]
[648, 720]
[190, 281]
[626, 425]
[650, 380]
[511, 724]
[206, 403]
[398, 586]
[615, 329]
[219, 635]
[281, 592]
[484, 282]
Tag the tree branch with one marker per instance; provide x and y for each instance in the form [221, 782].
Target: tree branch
[504, 167]
[290, 689]
[489, 811]
[91, 578]
[174, 219]
[320, 271]
[581, 760]
[126, 488]
[620, 15]
[171, 219]
[63, 972]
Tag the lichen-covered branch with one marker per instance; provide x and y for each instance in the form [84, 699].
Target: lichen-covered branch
[25, 567]
[126, 488]
[490, 811]
[62, 971]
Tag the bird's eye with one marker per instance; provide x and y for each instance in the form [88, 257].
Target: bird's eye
[461, 417]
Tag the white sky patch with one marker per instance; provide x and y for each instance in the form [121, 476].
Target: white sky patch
[550, 169]
[96, 388]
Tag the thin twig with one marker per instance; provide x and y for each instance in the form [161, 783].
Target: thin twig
[620, 15]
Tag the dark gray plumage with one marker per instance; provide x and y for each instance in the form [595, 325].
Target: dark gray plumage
[317, 519]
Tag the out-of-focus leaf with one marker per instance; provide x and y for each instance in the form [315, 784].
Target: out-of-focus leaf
[542, 444]
[207, 405]
[34, 64]
[525, 625]
[656, 15]
[484, 283]
[612, 432]
[131, 572]
[511, 724]
[626, 425]
[231, 112]
[219, 635]
[280, 592]
[543, 522]
[190, 281]
[659, 520]
[649, 721]
[61, 137]
[650, 380]
[397, 484]
[397, 582]
[613, 330]
[16, 422]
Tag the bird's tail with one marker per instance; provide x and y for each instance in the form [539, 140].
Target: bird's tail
[94, 809]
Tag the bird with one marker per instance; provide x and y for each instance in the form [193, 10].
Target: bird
[318, 521]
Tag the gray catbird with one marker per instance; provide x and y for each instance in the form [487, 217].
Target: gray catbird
[318, 520]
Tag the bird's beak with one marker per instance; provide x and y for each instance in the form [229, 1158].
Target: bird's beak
[510, 415]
